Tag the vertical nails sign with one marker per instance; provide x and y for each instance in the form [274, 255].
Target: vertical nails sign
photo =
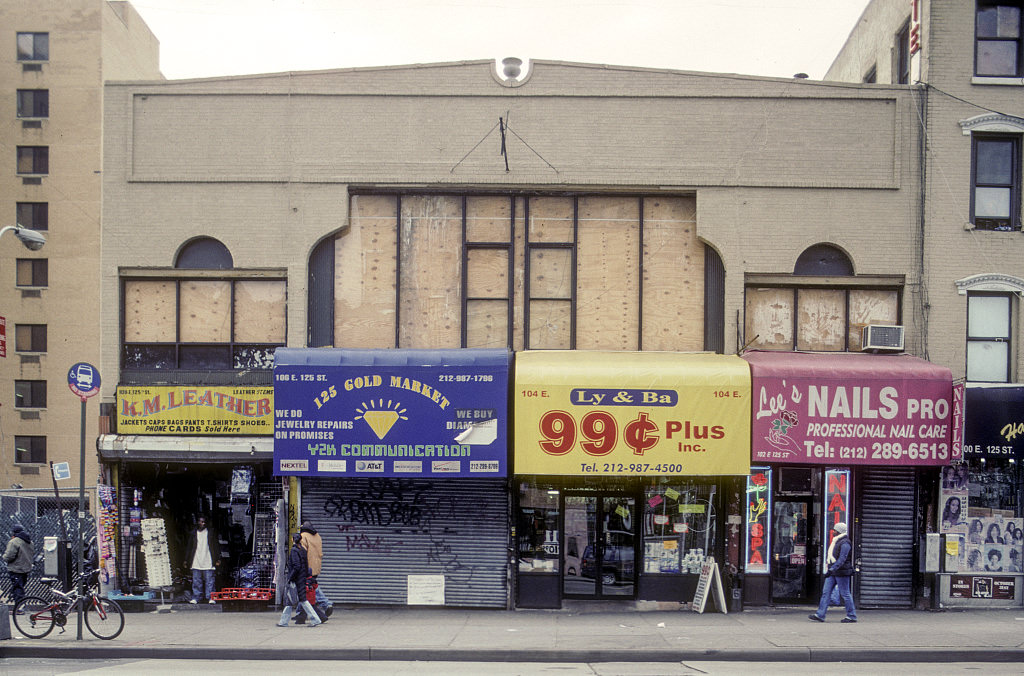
[759, 510]
[837, 505]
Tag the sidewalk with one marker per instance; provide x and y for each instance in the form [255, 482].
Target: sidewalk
[360, 633]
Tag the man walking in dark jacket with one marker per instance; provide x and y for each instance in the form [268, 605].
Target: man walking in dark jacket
[839, 574]
[18, 555]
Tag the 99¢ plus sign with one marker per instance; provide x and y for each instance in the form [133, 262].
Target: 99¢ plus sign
[597, 434]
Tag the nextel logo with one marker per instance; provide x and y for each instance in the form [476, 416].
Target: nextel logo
[294, 465]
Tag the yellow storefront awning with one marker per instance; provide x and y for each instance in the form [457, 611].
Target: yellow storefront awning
[631, 413]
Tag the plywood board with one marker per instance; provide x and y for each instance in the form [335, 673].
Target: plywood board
[821, 324]
[607, 265]
[205, 311]
[487, 273]
[489, 219]
[365, 274]
[870, 307]
[431, 272]
[549, 325]
[550, 273]
[673, 289]
[551, 219]
[769, 319]
[260, 311]
[487, 323]
[149, 311]
[519, 275]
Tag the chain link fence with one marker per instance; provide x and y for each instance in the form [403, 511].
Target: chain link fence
[42, 516]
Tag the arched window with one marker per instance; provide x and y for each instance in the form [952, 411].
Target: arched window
[823, 260]
[204, 253]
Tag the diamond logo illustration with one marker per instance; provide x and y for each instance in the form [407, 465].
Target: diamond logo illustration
[379, 417]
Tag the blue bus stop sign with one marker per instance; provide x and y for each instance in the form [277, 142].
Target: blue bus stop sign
[84, 380]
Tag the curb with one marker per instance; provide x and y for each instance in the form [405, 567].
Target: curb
[796, 655]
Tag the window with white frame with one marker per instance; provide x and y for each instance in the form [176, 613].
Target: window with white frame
[988, 337]
[997, 34]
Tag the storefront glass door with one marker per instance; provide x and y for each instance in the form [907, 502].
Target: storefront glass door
[791, 548]
[599, 541]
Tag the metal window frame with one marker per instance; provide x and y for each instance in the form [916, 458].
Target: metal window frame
[36, 56]
[40, 211]
[902, 60]
[39, 279]
[1015, 177]
[530, 247]
[37, 391]
[1008, 338]
[1019, 40]
[509, 249]
[37, 332]
[178, 344]
[846, 288]
[40, 156]
[34, 96]
[34, 442]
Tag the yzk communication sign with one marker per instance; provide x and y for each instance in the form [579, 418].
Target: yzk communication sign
[631, 413]
[195, 410]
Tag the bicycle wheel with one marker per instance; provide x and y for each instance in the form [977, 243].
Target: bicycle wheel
[33, 616]
[103, 617]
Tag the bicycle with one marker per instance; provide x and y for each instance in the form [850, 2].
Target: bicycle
[35, 617]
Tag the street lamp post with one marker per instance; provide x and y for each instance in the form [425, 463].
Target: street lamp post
[32, 239]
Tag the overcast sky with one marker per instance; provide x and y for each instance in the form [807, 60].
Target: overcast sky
[778, 38]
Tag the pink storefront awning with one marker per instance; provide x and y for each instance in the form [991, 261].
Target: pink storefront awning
[847, 408]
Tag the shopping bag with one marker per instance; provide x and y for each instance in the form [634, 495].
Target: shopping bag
[836, 599]
[291, 595]
[311, 592]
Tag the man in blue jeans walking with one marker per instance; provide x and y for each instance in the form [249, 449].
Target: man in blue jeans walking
[203, 555]
[839, 574]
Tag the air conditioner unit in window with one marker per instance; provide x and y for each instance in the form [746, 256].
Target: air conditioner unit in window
[882, 338]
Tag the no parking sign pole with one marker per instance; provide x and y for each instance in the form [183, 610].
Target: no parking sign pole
[84, 380]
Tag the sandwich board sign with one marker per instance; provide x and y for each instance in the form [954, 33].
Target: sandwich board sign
[710, 581]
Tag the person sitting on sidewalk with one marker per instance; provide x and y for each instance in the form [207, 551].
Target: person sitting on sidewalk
[297, 571]
[840, 572]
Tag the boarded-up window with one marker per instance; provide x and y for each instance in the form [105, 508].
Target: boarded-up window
[522, 271]
[365, 274]
[260, 312]
[821, 323]
[203, 323]
[871, 307]
[149, 311]
[769, 319]
[823, 319]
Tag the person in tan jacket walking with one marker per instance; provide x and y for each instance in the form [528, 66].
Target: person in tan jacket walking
[314, 547]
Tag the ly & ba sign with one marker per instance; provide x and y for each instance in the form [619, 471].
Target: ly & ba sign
[631, 413]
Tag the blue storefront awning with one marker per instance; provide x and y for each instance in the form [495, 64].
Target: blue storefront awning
[391, 413]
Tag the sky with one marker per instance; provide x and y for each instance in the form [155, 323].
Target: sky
[776, 38]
